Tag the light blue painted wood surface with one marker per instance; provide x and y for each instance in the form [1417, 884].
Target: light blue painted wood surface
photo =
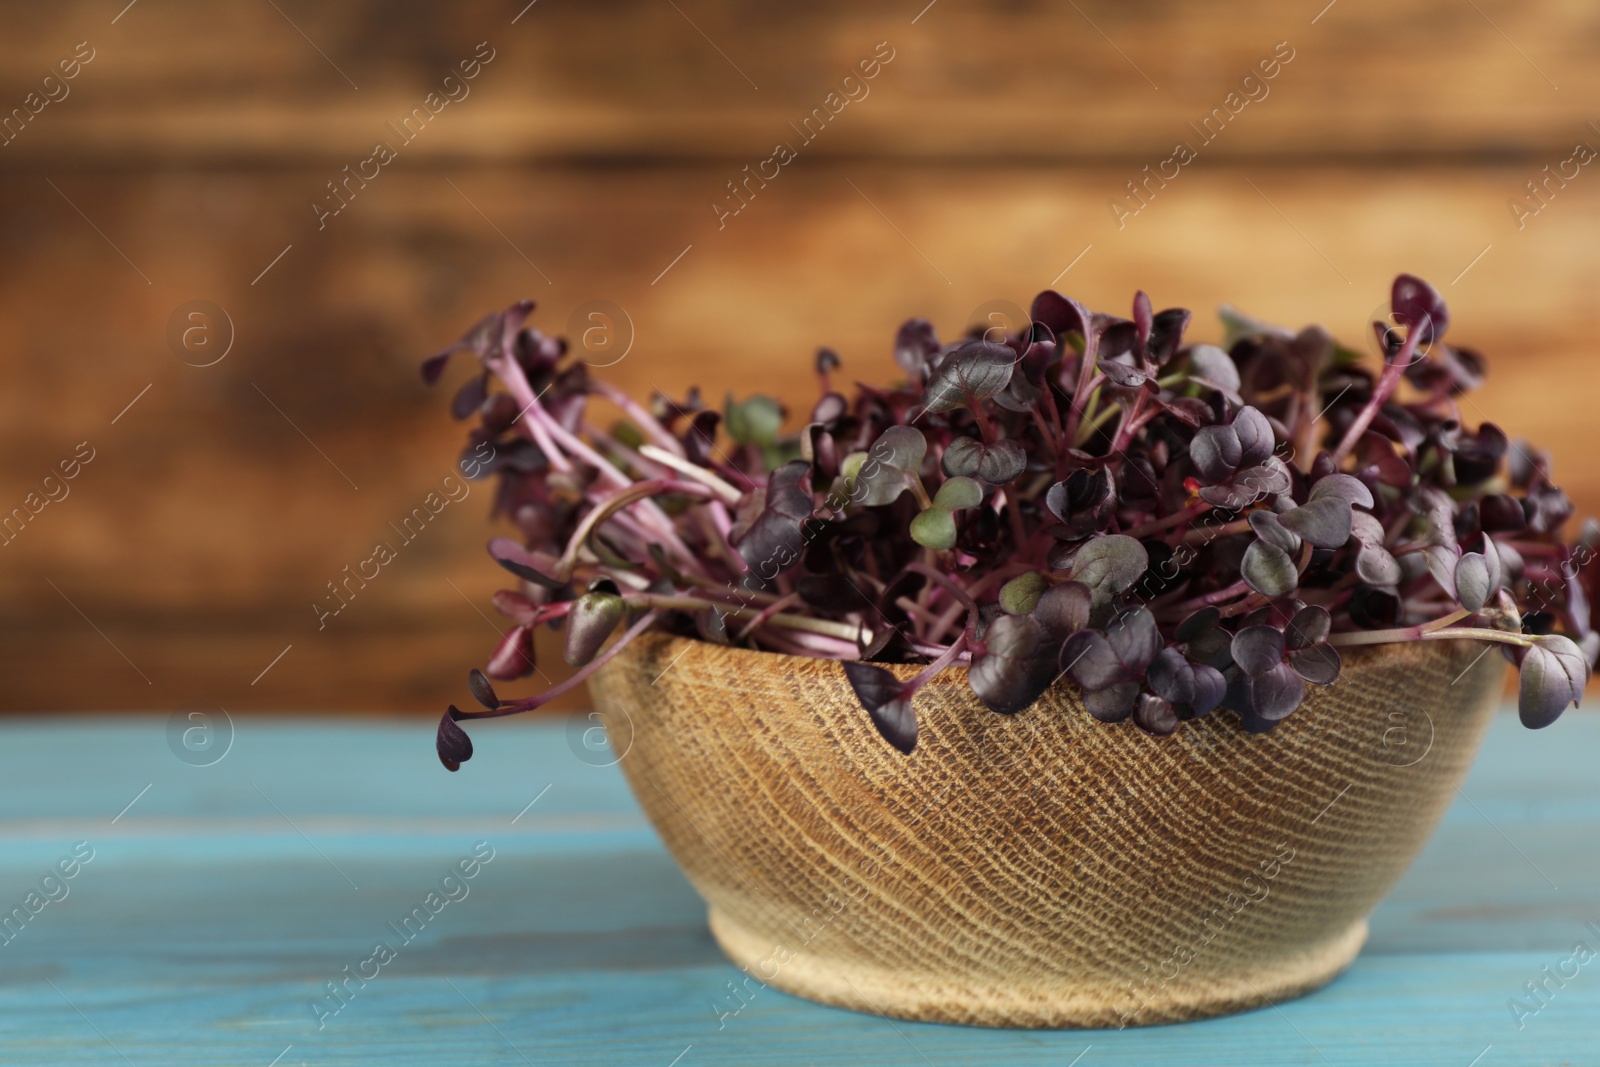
[219, 904]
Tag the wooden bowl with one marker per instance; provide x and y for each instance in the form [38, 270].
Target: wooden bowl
[1045, 869]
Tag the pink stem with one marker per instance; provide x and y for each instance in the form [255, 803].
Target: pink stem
[945, 659]
[1386, 386]
[582, 675]
[951, 587]
[630, 407]
[1400, 633]
[1177, 518]
[1241, 586]
[509, 371]
[1129, 423]
[577, 447]
[766, 613]
[1080, 395]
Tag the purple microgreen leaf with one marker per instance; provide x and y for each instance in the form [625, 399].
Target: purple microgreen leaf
[1269, 570]
[962, 458]
[1270, 529]
[971, 374]
[1574, 661]
[1441, 563]
[1064, 609]
[1087, 656]
[1366, 529]
[873, 686]
[1212, 366]
[914, 346]
[1001, 462]
[774, 541]
[451, 741]
[1198, 623]
[1324, 522]
[1209, 687]
[1277, 693]
[1109, 565]
[482, 689]
[1171, 677]
[1134, 640]
[1113, 703]
[1553, 673]
[1084, 502]
[1271, 478]
[593, 618]
[897, 722]
[892, 462]
[1500, 513]
[1418, 306]
[1007, 674]
[700, 437]
[1473, 582]
[884, 699]
[1166, 334]
[1375, 566]
[1316, 663]
[1155, 716]
[1248, 487]
[1491, 556]
[1216, 453]
[1062, 314]
[1124, 374]
[1255, 436]
[1308, 626]
[1353, 491]
[433, 369]
[1258, 649]
[1142, 314]
[470, 397]
[516, 607]
[513, 657]
[524, 564]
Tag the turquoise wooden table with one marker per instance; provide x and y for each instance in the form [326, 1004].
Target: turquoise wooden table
[233, 913]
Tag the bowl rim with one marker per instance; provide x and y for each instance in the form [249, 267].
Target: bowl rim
[1361, 657]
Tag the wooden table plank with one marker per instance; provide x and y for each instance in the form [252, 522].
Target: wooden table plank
[217, 906]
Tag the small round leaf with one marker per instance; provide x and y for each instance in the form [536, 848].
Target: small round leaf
[1269, 570]
[1277, 693]
[1318, 663]
[958, 493]
[934, 528]
[1350, 489]
[961, 458]
[1324, 522]
[1216, 452]
[1258, 649]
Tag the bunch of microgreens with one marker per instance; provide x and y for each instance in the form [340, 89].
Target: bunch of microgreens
[1173, 527]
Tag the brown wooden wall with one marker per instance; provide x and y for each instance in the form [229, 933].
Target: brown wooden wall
[586, 156]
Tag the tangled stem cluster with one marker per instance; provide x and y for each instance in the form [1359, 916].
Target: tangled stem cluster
[1176, 527]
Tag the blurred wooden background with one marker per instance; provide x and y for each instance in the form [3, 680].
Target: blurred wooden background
[183, 160]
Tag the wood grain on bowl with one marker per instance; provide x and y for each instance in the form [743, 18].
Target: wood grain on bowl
[1044, 869]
